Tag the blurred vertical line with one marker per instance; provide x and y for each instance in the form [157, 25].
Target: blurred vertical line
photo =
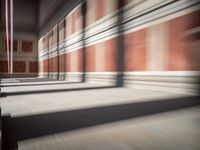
[37, 11]
[120, 44]
[47, 38]
[0, 18]
[84, 65]
[7, 35]
[58, 53]
[65, 59]
[0, 42]
[0, 78]
[11, 37]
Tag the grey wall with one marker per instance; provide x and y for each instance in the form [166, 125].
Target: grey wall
[38, 16]
[46, 7]
[25, 16]
[52, 11]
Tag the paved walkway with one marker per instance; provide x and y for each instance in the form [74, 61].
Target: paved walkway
[40, 114]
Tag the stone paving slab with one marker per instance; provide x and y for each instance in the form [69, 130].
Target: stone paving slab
[176, 129]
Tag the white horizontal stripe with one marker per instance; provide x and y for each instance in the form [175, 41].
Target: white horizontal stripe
[140, 73]
[165, 73]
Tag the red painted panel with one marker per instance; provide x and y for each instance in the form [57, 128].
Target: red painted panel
[33, 66]
[15, 45]
[3, 67]
[27, 46]
[19, 66]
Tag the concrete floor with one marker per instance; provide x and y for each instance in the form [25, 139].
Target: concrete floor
[40, 114]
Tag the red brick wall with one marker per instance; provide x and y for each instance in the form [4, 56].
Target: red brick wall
[79, 53]
[62, 63]
[41, 67]
[180, 55]
[50, 64]
[77, 19]
[90, 59]
[135, 50]
[71, 22]
[68, 64]
[46, 65]
[73, 17]
[91, 12]
[110, 55]
[100, 9]
[55, 64]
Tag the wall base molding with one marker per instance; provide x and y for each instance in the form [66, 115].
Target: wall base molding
[172, 81]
